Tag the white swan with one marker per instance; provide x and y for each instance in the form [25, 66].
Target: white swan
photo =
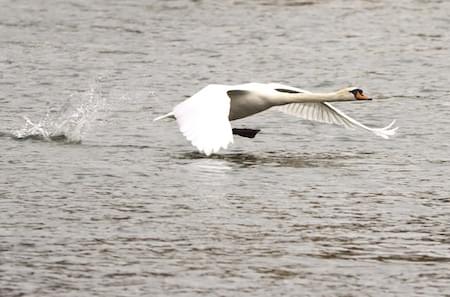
[204, 118]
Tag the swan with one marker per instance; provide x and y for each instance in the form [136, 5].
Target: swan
[204, 118]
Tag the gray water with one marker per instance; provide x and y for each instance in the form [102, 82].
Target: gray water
[98, 200]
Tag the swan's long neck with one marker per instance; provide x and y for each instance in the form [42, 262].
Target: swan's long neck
[287, 98]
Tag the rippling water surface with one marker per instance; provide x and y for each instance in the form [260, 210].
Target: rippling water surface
[98, 200]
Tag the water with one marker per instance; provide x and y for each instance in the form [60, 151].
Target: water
[97, 200]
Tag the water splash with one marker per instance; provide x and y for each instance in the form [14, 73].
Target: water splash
[68, 123]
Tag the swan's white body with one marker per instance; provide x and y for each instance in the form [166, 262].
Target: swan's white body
[204, 118]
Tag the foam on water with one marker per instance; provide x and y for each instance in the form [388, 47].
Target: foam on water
[68, 123]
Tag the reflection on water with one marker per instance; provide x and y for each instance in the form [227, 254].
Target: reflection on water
[277, 159]
[211, 165]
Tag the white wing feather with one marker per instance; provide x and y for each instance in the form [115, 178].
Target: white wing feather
[327, 113]
[203, 119]
[384, 132]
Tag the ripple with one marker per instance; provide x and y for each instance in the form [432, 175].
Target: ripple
[413, 258]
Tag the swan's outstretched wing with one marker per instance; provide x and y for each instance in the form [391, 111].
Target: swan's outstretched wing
[203, 119]
[326, 113]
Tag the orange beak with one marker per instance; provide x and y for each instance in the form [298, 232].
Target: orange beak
[361, 96]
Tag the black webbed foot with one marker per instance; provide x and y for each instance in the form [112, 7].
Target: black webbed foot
[249, 133]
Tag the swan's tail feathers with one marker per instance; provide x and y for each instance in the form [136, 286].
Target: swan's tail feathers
[387, 131]
[169, 115]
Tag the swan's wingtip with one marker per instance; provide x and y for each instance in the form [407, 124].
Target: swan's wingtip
[387, 131]
[391, 124]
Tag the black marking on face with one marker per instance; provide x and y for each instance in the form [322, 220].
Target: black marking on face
[287, 91]
[356, 91]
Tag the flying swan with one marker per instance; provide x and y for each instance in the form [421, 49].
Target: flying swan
[204, 118]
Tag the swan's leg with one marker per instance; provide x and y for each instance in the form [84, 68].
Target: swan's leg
[249, 133]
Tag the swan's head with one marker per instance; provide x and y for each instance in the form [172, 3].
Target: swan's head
[352, 93]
